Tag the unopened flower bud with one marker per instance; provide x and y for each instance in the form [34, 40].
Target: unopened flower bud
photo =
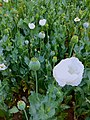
[34, 64]
[54, 59]
[74, 39]
[6, 31]
[21, 105]
[37, 15]
[47, 26]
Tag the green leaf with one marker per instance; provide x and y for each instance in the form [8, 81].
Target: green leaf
[87, 118]
[26, 59]
[20, 23]
[2, 113]
[13, 110]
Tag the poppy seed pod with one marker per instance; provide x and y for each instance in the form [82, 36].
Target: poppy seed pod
[34, 64]
[74, 39]
[21, 105]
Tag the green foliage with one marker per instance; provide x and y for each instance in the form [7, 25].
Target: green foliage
[5, 95]
[45, 107]
[82, 96]
[13, 109]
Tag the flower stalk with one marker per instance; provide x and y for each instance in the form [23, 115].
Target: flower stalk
[34, 66]
[71, 50]
[74, 40]
[25, 114]
[36, 82]
[21, 105]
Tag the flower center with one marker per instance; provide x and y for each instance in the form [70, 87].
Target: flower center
[1, 66]
[72, 70]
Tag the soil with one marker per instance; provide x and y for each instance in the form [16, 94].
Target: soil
[17, 116]
[2, 118]
[70, 111]
[70, 115]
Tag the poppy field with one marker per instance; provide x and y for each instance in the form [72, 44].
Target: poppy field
[44, 60]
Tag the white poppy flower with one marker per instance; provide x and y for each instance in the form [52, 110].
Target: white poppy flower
[26, 42]
[5, 1]
[2, 67]
[41, 35]
[76, 19]
[31, 26]
[69, 72]
[42, 22]
[86, 25]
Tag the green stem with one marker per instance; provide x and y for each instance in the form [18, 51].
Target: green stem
[40, 45]
[16, 3]
[71, 50]
[29, 49]
[25, 114]
[53, 64]
[3, 87]
[36, 85]
[29, 56]
[47, 36]
[36, 82]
